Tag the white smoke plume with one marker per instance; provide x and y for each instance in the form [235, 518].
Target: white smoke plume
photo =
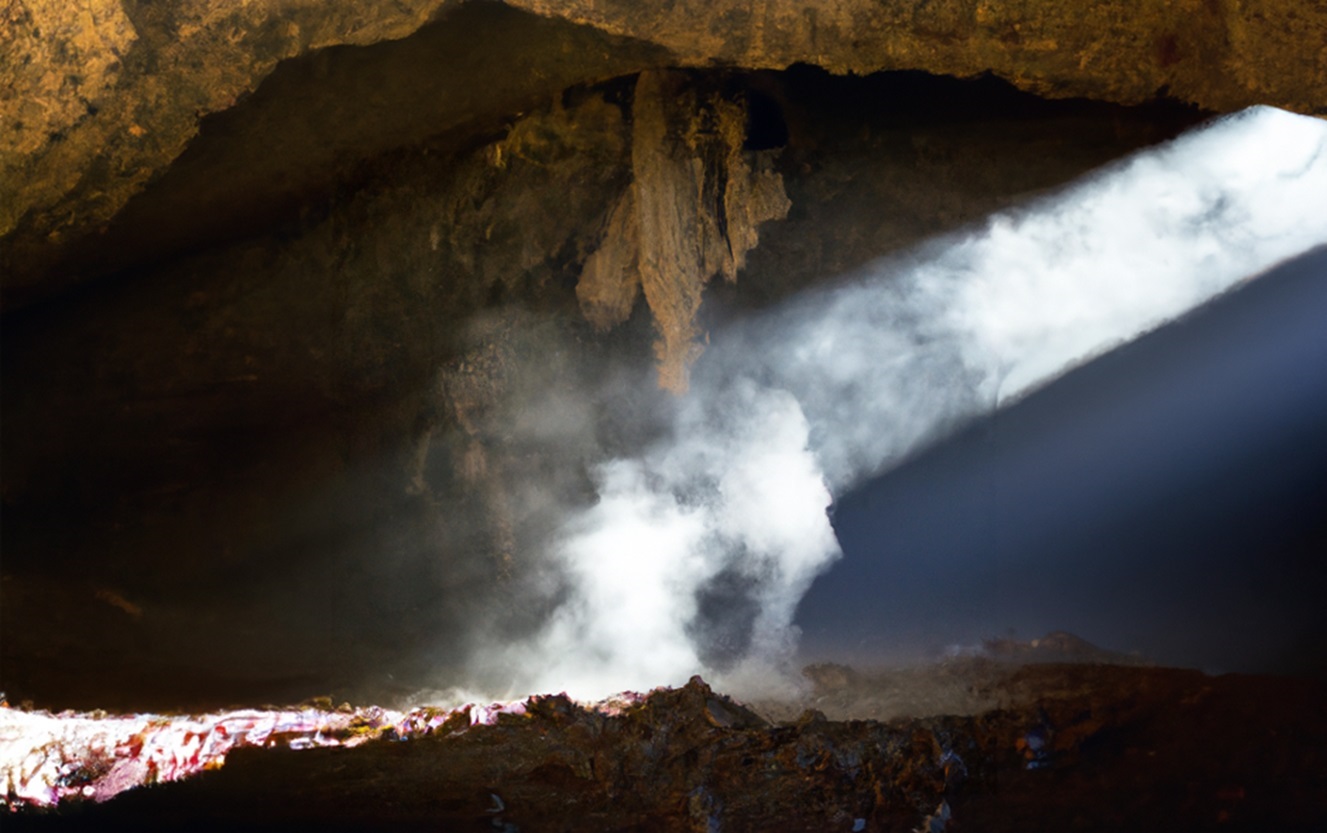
[698, 550]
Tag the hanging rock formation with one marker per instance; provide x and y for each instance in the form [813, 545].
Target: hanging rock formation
[691, 213]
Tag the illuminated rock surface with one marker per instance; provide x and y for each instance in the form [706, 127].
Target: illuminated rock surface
[305, 444]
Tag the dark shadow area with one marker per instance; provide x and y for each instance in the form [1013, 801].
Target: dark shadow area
[876, 163]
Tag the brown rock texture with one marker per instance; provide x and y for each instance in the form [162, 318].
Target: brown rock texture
[668, 222]
[65, 185]
[610, 279]
[99, 97]
[691, 212]
[1218, 54]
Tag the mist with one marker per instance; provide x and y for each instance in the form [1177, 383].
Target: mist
[696, 551]
[1167, 499]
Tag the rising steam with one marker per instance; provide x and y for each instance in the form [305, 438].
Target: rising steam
[698, 549]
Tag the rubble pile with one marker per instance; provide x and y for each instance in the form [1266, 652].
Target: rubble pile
[1076, 747]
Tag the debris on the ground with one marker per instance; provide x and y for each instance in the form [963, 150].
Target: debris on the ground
[1072, 747]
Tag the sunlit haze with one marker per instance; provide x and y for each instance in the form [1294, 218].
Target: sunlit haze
[697, 551]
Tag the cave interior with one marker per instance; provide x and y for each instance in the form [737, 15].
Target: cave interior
[264, 423]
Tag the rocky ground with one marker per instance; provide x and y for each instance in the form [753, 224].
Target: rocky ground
[972, 743]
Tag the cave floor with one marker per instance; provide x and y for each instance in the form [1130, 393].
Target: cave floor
[966, 744]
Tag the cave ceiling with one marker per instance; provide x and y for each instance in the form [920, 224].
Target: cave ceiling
[102, 98]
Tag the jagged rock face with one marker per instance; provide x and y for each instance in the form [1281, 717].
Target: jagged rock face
[65, 183]
[100, 98]
[1219, 54]
[691, 212]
